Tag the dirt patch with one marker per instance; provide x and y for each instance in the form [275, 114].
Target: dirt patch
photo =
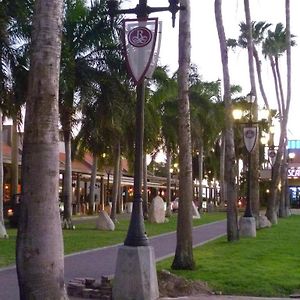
[171, 285]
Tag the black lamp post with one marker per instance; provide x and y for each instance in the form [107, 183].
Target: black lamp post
[136, 233]
[250, 133]
[142, 10]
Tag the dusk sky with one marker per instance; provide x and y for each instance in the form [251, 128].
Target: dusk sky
[205, 45]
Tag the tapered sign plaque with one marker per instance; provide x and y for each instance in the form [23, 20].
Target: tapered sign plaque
[272, 156]
[140, 41]
[250, 137]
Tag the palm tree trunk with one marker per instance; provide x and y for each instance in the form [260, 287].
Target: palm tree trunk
[222, 172]
[67, 183]
[3, 233]
[40, 254]
[272, 63]
[184, 248]
[115, 191]
[254, 180]
[260, 81]
[281, 96]
[283, 212]
[92, 185]
[145, 188]
[230, 164]
[120, 191]
[168, 190]
[200, 168]
[14, 158]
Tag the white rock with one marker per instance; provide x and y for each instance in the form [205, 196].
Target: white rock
[157, 210]
[104, 222]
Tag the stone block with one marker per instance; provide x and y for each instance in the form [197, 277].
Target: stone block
[135, 276]
[247, 227]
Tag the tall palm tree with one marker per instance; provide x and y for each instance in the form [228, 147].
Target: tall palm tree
[184, 251]
[39, 239]
[105, 116]
[207, 121]
[3, 233]
[258, 30]
[164, 101]
[87, 37]
[277, 42]
[230, 164]
[14, 19]
[285, 202]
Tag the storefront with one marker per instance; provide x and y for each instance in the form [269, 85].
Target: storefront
[294, 172]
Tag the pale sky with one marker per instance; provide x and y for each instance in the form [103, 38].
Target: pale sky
[205, 44]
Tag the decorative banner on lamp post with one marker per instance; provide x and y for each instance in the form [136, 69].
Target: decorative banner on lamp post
[250, 137]
[139, 39]
[155, 53]
[272, 156]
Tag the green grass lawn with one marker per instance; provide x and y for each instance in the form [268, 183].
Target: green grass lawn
[87, 237]
[268, 265]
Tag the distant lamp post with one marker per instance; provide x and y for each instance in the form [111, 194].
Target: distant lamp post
[272, 151]
[237, 114]
[264, 138]
[250, 136]
[263, 114]
[250, 133]
[292, 156]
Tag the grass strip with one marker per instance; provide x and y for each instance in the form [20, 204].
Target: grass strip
[268, 265]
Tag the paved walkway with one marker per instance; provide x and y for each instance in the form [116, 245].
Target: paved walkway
[98, 262]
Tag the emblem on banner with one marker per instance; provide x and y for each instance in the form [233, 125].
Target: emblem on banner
[250, 136]
[140, 43]
[272, 156]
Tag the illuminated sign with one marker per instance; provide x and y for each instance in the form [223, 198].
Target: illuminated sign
[294, 172]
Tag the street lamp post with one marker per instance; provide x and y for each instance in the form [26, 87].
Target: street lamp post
[136, 233]
[250, 133]
[140, 42]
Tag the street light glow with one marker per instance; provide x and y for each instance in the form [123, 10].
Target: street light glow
[237, 114]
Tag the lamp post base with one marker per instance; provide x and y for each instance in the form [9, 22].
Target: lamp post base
[135, 276]
[247, 226]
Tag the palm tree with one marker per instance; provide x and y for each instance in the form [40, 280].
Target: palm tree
[184, 251]
[39, 239]
[258, 30]
[86, 35]
[3, 233]
[12, 38]
[230, 164]
[165, 108]
[207, 121]
[285, 202]
[274, 46]
[105, 116]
